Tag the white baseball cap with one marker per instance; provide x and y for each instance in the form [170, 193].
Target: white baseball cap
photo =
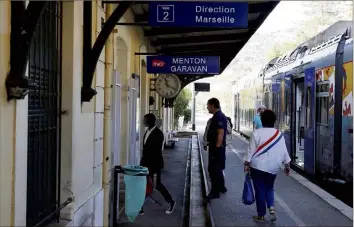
[261, 107]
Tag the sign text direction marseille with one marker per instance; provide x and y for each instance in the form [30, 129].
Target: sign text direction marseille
[183, 64]
[199, 14]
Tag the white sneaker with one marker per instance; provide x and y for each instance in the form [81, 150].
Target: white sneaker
[171, 208]
[272, 216]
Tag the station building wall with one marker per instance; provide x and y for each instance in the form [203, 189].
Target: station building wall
[85, 133]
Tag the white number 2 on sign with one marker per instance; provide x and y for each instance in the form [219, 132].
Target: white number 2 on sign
[165, 13]
[165, 16]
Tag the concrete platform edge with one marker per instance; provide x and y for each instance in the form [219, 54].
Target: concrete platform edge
[330, 199]
[187, 183]
[205, 183]
[196, 210]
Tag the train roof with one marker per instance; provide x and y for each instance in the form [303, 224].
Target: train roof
[311, 50]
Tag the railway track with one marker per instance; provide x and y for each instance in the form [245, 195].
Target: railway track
[196, 210]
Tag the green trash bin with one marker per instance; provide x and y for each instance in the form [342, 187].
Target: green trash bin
[135, 189]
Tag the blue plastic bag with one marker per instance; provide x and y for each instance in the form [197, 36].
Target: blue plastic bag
[248, 192]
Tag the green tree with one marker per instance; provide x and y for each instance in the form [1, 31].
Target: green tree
[181, 103]
[187, 115]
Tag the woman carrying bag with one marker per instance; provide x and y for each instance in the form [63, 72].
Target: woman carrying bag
[266, 153]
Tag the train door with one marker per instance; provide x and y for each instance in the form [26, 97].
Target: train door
[310, 99]
[287, 112]
[298, 123]
[324, 143]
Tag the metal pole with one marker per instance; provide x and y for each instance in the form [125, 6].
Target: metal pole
[193, 108]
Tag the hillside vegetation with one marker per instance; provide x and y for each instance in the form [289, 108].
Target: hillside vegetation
[290, 24]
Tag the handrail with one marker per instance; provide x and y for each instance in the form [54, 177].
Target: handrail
[67, 202]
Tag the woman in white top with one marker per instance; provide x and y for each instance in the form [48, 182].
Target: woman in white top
[266, 153]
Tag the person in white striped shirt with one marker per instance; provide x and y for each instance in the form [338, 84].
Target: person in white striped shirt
[266, 153]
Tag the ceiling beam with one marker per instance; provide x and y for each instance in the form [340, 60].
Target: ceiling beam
[222, 53]
[262, 7]
[252, 25]
[218, 46]
[200, 39]
[173, 31]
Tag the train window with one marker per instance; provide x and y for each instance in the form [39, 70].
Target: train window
[274, 102]
[278, 108]
[308, 108]
[322, 107]
[303, 51]
[294, 53]
[322, 110]
[269, 104]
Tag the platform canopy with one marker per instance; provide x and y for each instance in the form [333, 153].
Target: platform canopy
[201, 41]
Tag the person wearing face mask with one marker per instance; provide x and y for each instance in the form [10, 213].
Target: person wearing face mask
[153, 142]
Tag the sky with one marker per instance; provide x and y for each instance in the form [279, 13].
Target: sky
[287, 11]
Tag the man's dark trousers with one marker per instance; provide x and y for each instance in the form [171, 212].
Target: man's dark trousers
[215, 169]
[159, 186]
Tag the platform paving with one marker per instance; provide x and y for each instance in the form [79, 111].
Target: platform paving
[173, 177]
[295, 204]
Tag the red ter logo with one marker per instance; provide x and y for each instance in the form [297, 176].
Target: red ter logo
[158, 63]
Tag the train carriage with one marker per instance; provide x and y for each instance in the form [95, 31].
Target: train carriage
[300, 88]
[247, 95]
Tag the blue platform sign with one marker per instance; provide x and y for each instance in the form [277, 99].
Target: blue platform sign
[199, 14]
[183, 64]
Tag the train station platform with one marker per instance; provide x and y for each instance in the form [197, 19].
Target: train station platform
[173, 177]
[297, 203]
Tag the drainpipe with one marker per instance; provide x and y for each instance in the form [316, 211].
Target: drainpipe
[107, 120]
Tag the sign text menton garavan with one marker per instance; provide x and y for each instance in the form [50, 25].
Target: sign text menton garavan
[189, 65]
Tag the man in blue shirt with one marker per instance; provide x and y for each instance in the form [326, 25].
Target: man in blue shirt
[216, 138]
[257, 123]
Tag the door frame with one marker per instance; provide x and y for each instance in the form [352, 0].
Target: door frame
[294, 82]
[310, 132]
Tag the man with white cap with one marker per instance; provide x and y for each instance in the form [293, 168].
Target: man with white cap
[257, 123]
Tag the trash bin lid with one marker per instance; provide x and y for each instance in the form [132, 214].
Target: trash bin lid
[135, 170]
